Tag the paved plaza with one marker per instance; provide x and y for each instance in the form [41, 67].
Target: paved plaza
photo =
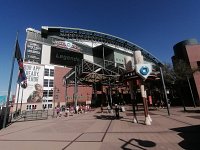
[101, 131]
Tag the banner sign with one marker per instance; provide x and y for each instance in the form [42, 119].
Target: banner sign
[34, 91]
[129, 75]
[33, 52]
[65, 57]
[67, 45]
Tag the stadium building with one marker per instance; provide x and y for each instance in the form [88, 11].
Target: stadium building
[76, 66]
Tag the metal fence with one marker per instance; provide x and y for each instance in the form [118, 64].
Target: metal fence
[34, 115]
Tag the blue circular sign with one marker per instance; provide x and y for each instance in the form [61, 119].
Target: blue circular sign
[144, 70]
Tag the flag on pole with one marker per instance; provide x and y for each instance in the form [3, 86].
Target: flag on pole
[18, 54]
[21, 76]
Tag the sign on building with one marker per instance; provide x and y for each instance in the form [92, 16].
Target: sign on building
[143, 70]
[33, 52]
[34, 91]
[65, 57]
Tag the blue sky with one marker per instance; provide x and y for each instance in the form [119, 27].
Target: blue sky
[155, 25]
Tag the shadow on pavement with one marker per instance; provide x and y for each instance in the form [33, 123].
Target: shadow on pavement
[190, 135]
[137, 143]
[106, 117]
[190, 111]
[131, 121]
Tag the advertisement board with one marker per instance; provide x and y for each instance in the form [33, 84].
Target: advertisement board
[33, 52]
[34, 91]
[66, 45]
[65, 57]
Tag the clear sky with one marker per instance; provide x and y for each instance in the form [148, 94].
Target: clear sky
[155, 25]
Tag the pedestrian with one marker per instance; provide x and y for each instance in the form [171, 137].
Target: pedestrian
[101, 108]
[57, 111]
[66, 112]
[109, 109]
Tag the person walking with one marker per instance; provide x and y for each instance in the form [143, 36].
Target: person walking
[101, 108]
[58, 111]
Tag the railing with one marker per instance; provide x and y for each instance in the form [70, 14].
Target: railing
[35, 115]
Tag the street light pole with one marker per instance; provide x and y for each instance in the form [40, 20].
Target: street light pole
[164, 88]
[21, 100]
[66, 96]
[53, 103]
[55, 91]
[191, 92]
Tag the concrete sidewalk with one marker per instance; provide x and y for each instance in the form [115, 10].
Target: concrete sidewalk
[97, 131]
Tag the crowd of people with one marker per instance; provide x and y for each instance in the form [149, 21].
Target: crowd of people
[70, 110]
[117, 108]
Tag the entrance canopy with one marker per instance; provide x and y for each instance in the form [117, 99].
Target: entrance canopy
[88, 73]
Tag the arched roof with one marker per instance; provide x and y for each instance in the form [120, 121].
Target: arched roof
[76, 33]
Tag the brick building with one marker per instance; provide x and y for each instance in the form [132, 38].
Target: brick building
[189, 51]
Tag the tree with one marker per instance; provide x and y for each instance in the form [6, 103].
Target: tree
[168, 73]
[177, 75]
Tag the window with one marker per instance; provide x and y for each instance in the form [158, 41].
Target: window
[45, 93]
[46, 72]
[50, 83]
[50, 93]
[51, 72]
[49, 105]
[45, 82]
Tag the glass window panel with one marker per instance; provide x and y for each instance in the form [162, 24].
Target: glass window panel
[45, 82]
[51, 72]
[49, 105]
[45, 94]
[46, 72]
[50, 83]
[50, 93]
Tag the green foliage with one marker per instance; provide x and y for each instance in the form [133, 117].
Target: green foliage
[182, 70]
[179, 72]
[168, 73]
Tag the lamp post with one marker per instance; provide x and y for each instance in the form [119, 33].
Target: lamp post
[55, 96]
[164, 88]
[188, 80]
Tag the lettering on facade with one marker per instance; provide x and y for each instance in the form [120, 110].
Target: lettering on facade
[64, 57]
[33, 52]
[67, 58]
[32, 72]
[66, 44]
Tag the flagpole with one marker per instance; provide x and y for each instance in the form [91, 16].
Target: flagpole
[21, 100]
[10, 83]
[16, 113]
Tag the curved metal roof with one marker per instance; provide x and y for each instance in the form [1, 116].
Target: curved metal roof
[76, 33]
